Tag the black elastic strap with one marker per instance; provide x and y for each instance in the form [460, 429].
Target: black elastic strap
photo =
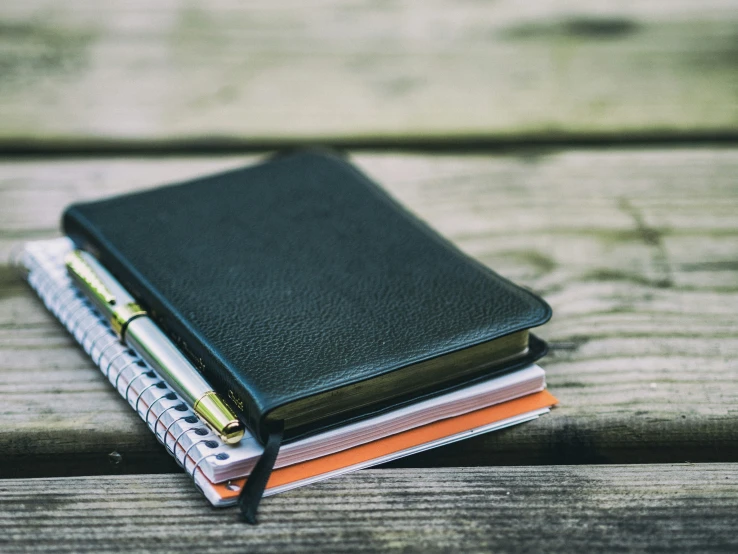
[253, 490]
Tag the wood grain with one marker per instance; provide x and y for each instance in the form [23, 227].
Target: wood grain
[635, 250]
[655, 508]
[198, 74]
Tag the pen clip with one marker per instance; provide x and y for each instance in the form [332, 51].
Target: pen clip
[120, 314]
[79, 267]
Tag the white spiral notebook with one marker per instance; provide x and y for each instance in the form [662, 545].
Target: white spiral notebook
[218, 469]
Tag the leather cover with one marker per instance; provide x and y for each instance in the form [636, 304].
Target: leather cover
[298, 276]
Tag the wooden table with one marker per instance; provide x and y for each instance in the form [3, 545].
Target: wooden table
[585, 151]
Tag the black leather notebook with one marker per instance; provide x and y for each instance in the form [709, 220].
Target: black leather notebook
[306, 295]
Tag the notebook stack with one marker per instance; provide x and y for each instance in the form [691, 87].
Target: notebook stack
[313, 303]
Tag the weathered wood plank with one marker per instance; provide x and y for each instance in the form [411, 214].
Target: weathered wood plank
[121, 74]
[636, 252]
[532, 509]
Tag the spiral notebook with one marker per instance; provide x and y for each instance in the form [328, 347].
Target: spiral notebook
[219, 470]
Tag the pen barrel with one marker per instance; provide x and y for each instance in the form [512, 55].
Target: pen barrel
[160, 353]
[133, 326]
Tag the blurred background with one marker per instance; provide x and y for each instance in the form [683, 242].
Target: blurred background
[187, 75]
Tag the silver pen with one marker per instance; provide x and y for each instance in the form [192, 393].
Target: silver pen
[139, 332]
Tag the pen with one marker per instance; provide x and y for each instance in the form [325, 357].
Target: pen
[136, 329]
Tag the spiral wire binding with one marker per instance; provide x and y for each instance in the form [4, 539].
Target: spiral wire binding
[166, 429]
[154, 403]
[44, 273]
[166, 435]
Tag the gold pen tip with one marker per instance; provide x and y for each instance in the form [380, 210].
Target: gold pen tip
[220, 417]
[232, 433]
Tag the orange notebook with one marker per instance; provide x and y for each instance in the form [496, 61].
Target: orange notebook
[388, 448]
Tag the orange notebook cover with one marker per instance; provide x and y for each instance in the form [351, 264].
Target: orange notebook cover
[392, 444]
